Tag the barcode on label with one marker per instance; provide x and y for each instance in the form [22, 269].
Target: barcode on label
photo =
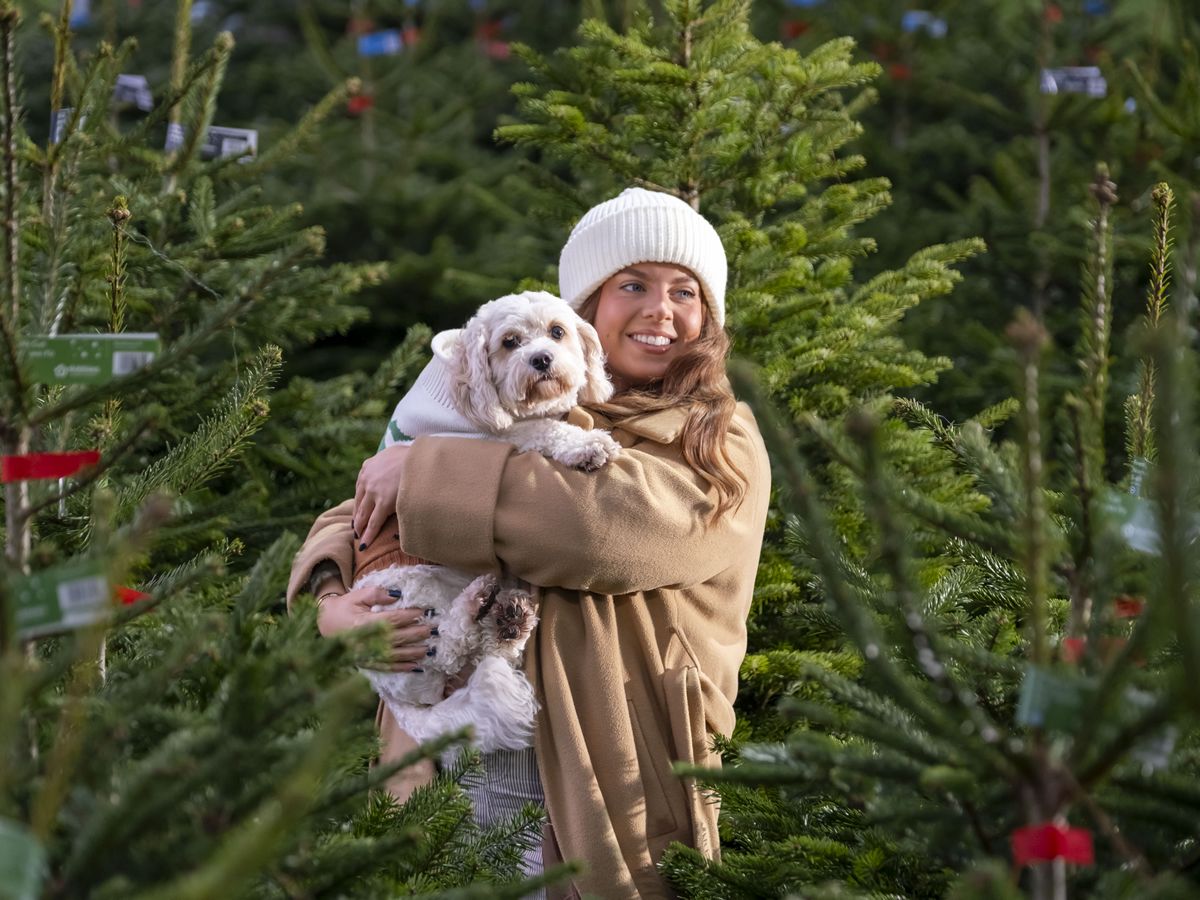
[82, 593]
[127, 361]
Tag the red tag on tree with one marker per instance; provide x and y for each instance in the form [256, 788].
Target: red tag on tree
[359, 104]
[1050, 841]
[1073, 649]
[35, 466]
[793, 28]
[128, 596]
[900, 71]
[1127, 607]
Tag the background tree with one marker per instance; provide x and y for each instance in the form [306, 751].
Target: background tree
[196, 743]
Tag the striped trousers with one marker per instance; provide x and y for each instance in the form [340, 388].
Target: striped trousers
[508, 782]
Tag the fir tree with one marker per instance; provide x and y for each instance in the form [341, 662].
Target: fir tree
[196, 743]
[1037, 674]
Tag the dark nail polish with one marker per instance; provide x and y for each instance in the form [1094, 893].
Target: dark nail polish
[416, 671]
[397, 594]
[432, 651]
[433, 632]
[395, 537]
[362, 546]
[430, 613]
[355, 535]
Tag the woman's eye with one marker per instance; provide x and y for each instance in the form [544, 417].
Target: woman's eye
[510, 343]
[685, 293]
[632, 286]
[557, 332]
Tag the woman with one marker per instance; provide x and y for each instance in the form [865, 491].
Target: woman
[645, 568]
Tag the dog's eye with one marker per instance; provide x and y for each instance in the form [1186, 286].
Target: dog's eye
[510, 342]
[557, 332]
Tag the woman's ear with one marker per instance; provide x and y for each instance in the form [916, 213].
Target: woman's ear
[597, 387]
[474, 393]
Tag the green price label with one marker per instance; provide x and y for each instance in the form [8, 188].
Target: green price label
[61, 599]
[22, 863]
[88, 358]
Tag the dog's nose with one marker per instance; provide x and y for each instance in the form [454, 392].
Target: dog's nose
[541, 361]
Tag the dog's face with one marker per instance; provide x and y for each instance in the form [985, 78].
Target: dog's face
[526, 356]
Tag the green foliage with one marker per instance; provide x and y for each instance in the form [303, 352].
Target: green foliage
[199, 743]
[1037, 699]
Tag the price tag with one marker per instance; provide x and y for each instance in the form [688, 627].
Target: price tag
[81, 13]
[88, 358]
[22, 863]
[1049, 700]
[59, 120]
[380, 43]
[1074, 80]
[133, 89]
[222, 142]
[923, 20]
[61, 599]
[174, 137]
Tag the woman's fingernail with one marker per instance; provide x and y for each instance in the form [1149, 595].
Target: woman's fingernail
[362, 546]
[433, 632]
[395, 593]
[432, 651]
[416, 671]
[430, 613]
[355, 533]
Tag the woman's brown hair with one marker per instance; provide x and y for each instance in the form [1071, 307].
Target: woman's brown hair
[696, 380]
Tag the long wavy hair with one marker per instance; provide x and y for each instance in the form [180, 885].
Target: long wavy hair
[695, 380]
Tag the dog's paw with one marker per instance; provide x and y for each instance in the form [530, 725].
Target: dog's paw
[481, 594]
[513, 614]
[598, 450]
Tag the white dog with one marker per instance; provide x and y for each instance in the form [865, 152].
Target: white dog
[519, 365]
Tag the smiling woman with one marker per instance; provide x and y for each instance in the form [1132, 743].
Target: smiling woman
[643, 569]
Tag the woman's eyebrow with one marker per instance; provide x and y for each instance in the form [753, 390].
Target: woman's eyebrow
[638, 273]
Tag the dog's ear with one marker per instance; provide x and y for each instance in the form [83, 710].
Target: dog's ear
[597, 388]
[474, 393]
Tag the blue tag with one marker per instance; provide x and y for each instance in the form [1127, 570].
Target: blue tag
[81, 13]
[918, 19]
[805, 3]
[380, 43]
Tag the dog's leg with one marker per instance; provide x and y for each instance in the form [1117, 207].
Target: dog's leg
[565, 443]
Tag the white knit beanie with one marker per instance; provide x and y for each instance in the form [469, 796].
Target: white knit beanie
[640, 226]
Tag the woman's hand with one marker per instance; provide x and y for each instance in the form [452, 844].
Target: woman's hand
[375, 491]
[409, 629]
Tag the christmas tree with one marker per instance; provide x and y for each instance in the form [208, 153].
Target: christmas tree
[1027, 693]
[190, 741]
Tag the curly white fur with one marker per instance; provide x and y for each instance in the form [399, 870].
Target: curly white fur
[520, 363]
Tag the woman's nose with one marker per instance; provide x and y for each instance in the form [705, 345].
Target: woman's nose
[658, 303]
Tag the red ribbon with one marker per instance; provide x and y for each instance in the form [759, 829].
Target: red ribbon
[45, 465]
[793, 28]
[1050, 841]
[129, 595]
[1073, 649]
[1127, 607]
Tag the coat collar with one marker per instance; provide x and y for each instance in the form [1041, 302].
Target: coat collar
[661, 426]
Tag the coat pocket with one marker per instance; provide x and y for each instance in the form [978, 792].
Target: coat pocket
[659, 818]
[689, 734]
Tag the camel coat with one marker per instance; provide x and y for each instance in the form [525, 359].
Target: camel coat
[643, 619]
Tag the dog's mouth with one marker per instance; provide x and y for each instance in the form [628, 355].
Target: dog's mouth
[545, 385]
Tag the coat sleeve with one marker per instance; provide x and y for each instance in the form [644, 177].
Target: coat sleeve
[640, 523]
[330, 538]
